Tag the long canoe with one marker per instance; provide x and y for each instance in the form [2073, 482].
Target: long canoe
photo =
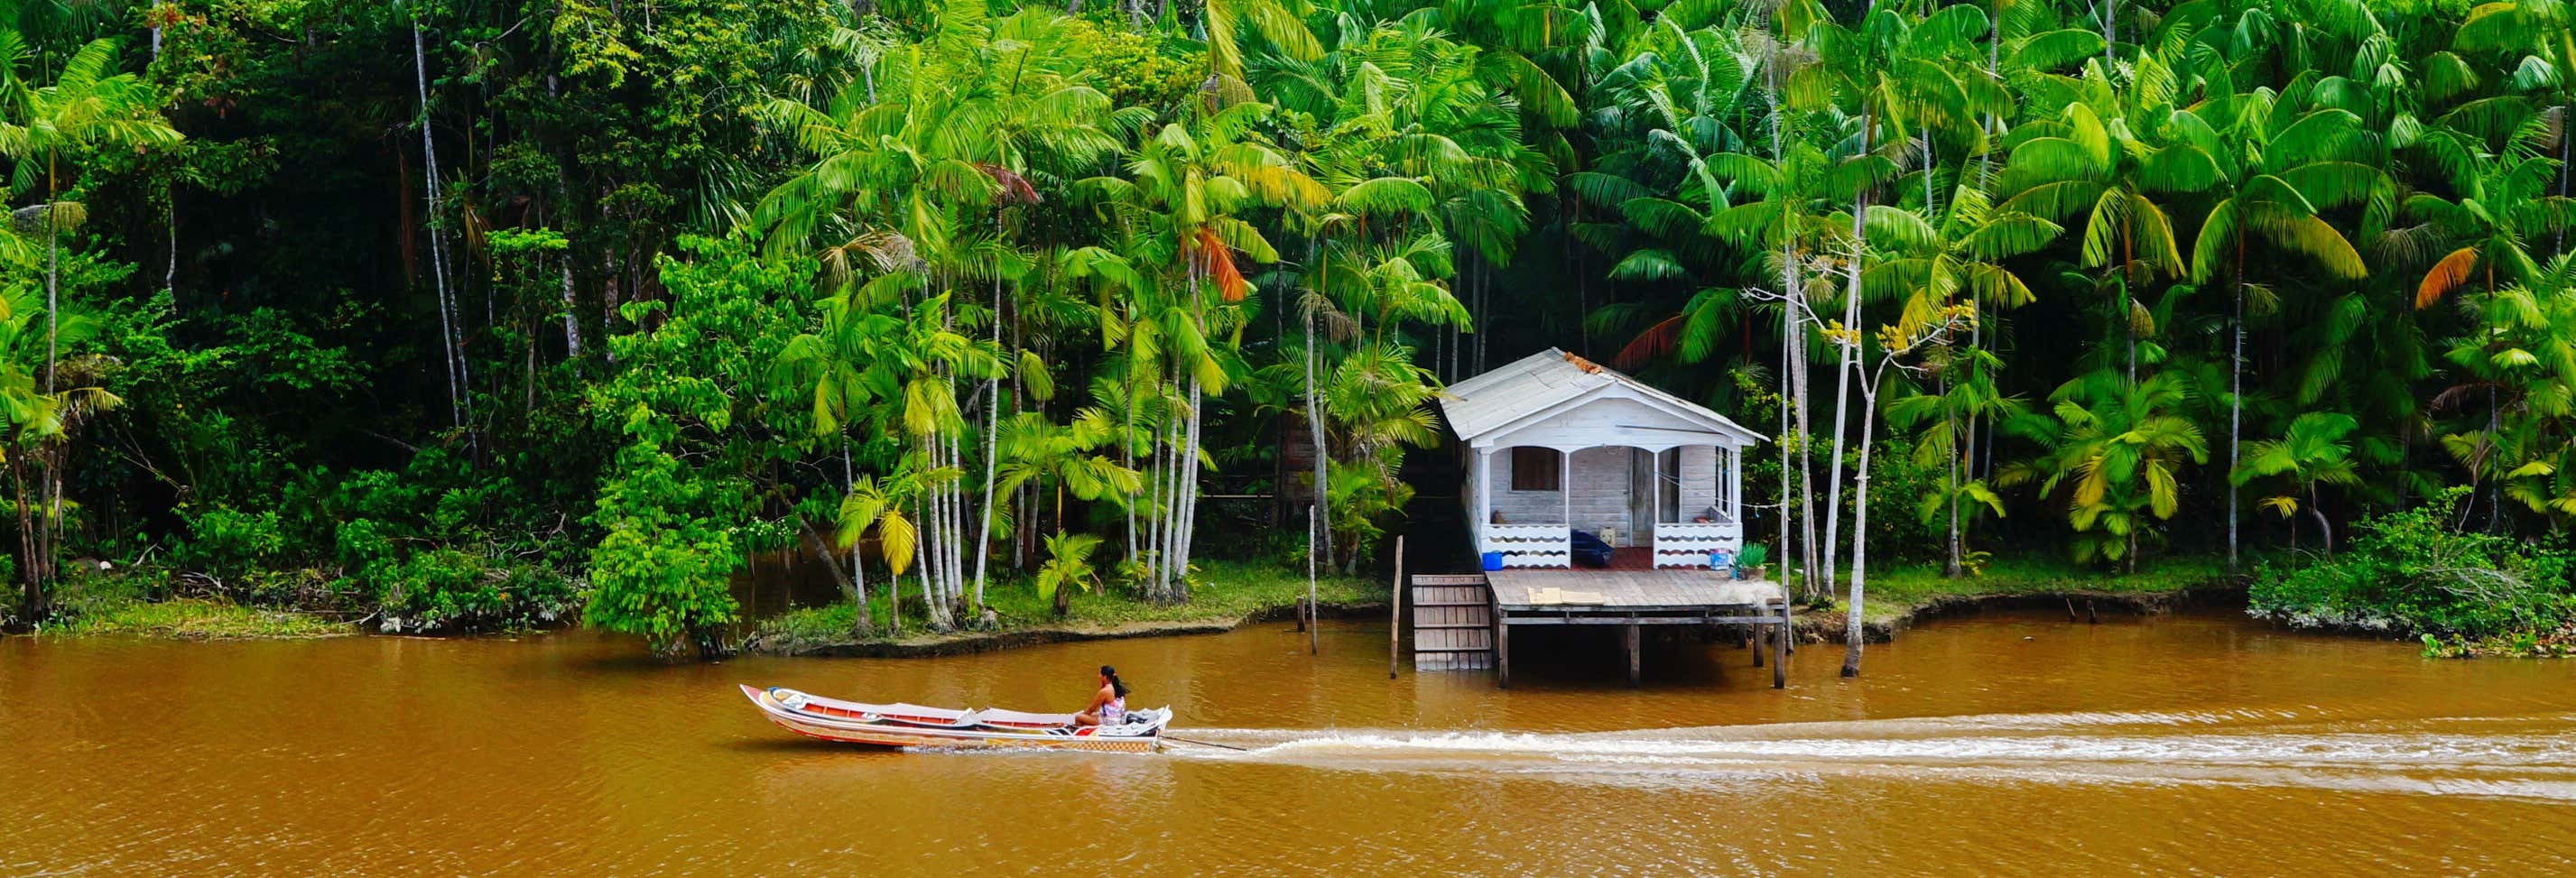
[913, 725]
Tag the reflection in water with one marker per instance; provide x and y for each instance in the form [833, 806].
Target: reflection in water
[1998, 744]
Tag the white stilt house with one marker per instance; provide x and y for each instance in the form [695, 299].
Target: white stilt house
[1557, 444]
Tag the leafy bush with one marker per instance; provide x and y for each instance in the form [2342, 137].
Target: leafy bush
[228, 542]
[453, 590]
[2411, 571]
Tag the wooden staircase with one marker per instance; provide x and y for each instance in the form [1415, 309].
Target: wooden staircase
[1453, 622]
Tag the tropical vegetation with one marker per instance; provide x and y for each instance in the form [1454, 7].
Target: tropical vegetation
[461, 314]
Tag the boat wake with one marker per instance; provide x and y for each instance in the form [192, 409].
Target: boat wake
[2531, 758]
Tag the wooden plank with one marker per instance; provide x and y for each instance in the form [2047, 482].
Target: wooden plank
[1642, 620]
[1395, 617]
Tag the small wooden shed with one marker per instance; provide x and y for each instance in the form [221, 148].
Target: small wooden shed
[1556, 444]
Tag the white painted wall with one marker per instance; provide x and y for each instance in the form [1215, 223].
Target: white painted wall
[1601, 487]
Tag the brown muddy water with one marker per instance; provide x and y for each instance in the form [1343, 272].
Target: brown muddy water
[2000, 744]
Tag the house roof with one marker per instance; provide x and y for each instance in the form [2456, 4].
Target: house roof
[1536, 383]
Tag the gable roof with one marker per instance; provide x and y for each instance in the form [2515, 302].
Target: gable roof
[1536, 383]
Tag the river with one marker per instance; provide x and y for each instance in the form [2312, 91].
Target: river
[1996, 744]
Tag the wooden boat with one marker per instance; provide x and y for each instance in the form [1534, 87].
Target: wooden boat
[912, 725]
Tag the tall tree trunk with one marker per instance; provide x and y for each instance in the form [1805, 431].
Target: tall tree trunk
[1793, 343]
[2324, 528]
[1788, 335]
[858, 573]
[926, 556]
[1850, 363]
[992, 443]
[1950, 567]
[447, 334]
[2235, 403]
[1320, 534]
[1852, 630]
[31, 574]
[1189, 493]
[571, 317]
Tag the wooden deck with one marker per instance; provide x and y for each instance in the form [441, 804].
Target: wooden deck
[1626, 591]
[1634, 599]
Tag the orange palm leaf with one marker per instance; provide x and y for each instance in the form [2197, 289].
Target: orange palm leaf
[2446, 275]
[1217, 261]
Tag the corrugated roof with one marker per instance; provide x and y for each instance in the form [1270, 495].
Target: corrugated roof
[1535, 383]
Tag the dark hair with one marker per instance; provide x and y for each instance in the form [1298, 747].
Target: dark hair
[1116, 686]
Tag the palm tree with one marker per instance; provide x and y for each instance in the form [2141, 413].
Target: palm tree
[2499, 205]
[1961, 257]
[2119, 447]
[1065, 459]
[1797, 217]
[2279, 167]
[1181, 201]
[2100, 158]
[35, 421]
[2311, 453]
[1067, 567]
[86, 108]
[880, 504]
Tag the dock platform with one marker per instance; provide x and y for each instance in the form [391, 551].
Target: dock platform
[1630, 598]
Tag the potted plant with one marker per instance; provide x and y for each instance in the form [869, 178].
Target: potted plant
[1752, 559]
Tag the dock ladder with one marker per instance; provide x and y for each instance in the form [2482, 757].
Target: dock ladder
[1453, 622]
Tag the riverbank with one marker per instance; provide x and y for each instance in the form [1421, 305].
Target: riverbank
[1229, 595]
[93, 614]
[1898, 597]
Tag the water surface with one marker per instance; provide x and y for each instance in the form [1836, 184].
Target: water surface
[1998, 744]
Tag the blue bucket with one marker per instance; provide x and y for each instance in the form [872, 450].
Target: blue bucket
[1720, 560]
[1493, 560]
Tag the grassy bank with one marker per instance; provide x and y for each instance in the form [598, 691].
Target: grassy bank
[1899, 591]
[1224, 595]
[193, 619]
[97, 603]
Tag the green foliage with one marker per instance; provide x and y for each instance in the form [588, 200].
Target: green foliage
[1067, 568]
[662, 567]
[2415, 572]
[940, 278]
[228, 542]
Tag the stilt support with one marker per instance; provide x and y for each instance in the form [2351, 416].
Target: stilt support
[1636, 649]
[1780, 647]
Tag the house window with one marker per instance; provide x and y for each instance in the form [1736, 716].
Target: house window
[1536, 469]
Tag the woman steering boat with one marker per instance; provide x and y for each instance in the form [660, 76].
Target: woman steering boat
[1109, 705]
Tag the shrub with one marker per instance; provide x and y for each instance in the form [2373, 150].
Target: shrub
[228, 542]
[2412, 572]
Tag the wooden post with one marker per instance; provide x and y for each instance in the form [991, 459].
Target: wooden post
[1565, 493]
[1760, 641]
[1654, 501]
[1313, 614]
[1780, 656]
[1634, 650]
[1395, 617]
[1502, 640]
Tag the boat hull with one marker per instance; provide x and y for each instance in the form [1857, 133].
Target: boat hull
[897, 734]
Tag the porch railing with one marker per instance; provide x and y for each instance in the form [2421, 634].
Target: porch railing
[1688, 545]
[1530, 545]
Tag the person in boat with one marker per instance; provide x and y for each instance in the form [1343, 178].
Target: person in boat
[1109, 705]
